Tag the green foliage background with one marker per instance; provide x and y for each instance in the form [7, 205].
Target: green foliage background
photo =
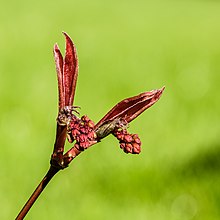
[124, 48]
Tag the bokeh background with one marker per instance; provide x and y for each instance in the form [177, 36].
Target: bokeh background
[124, 48]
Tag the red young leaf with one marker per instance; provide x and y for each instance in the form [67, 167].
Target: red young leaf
[59, 68]
[128, 109]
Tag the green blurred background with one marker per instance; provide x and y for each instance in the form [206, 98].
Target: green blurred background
[124, 48]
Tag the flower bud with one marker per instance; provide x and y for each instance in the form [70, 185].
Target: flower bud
[92, 135]
[81, 130]
[136, 148]
[128, 138]
[75, 132]
[122, 145]
[84, 145]
[91, 124]
[128, 148]
[85, 118]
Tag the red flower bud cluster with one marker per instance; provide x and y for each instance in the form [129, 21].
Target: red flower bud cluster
[81, 130]
[129, 143]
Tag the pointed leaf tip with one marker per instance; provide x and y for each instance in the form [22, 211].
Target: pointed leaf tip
[148, 99]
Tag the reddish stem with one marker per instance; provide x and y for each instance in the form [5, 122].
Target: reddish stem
[52, 171]
[60, 140]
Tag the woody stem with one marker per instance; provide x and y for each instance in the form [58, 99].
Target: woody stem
[51, 172]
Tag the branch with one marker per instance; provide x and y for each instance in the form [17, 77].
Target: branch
[52, 171]
[82, 131]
